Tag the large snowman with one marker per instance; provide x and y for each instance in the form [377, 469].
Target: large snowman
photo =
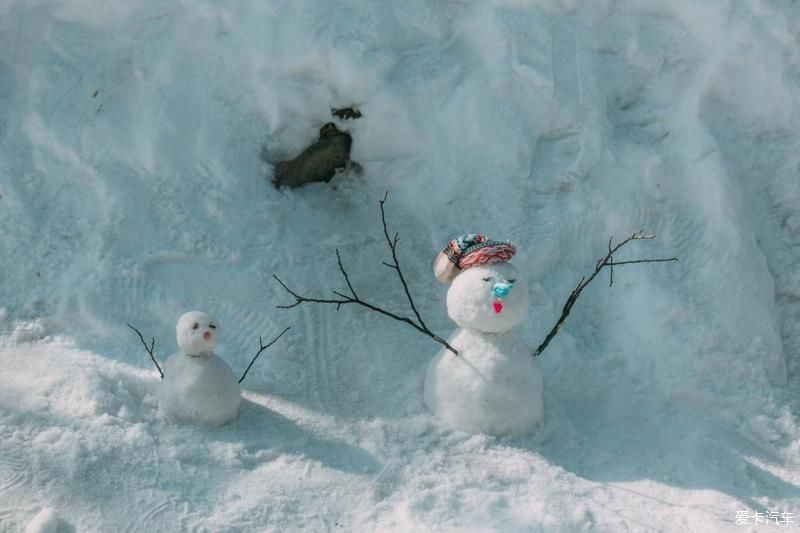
[494, 384]
[198, 386]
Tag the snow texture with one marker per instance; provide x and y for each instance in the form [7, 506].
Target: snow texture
[132, 189]
[198, 386]
[493, 385]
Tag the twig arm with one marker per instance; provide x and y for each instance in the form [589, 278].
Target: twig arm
[149, 349]
[344, 299]
[353, 298]
[607, 261]
[344, 273]
[261, 348]
[396, 266]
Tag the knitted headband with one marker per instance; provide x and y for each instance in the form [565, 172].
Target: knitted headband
[467, 251]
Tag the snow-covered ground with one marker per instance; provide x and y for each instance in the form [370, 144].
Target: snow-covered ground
[132, 190]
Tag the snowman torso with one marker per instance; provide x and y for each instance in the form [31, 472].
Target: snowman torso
[199, 389]
[494, 384]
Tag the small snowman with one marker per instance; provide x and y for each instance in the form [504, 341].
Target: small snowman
[198, 386]
[494, 384]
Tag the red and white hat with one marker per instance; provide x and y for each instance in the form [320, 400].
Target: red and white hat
[467, 251]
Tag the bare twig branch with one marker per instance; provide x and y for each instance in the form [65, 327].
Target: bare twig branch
[393, 247]
[343, 299]
[261, 348]
[149, 350]
[610, 263]
[344, 273]
[301, 299]
[617, 263]
[606, 261]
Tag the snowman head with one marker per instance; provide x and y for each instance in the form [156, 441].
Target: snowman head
[197, 333]
[487, 294]
[491, 298]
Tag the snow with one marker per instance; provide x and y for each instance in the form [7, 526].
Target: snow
[44, 522]
[132, 189]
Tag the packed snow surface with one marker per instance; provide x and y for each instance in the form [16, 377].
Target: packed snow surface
[136, 148]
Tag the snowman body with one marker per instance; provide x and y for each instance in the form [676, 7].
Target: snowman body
[494, 384]
[198, 386]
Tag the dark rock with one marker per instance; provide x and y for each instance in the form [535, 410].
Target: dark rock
[318, 162]
[346, 113]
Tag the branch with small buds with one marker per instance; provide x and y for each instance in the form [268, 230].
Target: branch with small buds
[607, 261]
[353, 298]
[149, 349]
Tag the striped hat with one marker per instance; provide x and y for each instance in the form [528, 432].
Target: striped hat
[468, 251]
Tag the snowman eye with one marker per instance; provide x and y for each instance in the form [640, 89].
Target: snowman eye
[212, 326]
[487, 279]
[512, 280]
[195, 326]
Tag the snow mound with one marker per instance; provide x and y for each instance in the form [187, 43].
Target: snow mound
[46, 521]
[28, 331]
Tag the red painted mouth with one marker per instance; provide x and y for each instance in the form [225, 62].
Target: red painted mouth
[498, 307]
